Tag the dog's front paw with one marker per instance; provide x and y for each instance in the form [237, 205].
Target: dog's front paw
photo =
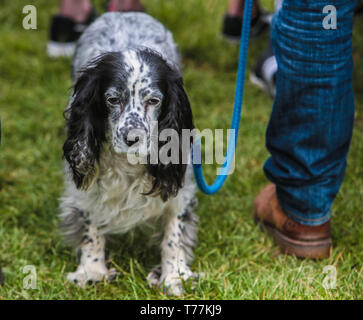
[174, 283]
[83, 276]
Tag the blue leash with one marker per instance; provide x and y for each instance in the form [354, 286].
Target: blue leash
[237, 109]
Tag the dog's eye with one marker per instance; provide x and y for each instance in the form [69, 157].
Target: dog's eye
[153, 102]
[113, 100]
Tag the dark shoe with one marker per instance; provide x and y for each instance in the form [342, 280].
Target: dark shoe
[232, 26]
[64, 34]
[264, 72]
[359, 7]
[292, 237]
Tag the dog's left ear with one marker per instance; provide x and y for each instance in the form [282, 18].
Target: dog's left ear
[175, 114]
[86, 118]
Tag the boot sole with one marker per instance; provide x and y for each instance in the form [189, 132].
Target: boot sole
[317, 249]
[263, 85]
[60, 49]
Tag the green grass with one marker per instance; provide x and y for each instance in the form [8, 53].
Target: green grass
[239, 260]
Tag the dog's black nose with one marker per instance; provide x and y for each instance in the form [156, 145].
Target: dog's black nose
[131, 141]
[132, 135]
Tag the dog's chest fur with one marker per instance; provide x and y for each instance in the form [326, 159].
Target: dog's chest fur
[115, 202]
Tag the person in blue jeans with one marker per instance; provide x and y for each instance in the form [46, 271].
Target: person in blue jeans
[263, 74]
[310, 128]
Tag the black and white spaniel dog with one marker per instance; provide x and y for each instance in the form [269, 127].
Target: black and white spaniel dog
[126, 75]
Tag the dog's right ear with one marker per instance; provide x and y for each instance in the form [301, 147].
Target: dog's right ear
[86, 126]
[86, 117]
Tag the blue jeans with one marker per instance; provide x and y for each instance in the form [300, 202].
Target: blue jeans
[311, 124]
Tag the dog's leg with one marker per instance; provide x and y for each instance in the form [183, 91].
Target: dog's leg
[177, 251]
[92, 267]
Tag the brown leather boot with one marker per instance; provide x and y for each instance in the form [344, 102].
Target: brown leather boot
[292, 237]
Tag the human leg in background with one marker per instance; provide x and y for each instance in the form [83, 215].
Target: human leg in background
[77, 10]
[311, 124]
[66, 27]
[73, 18]
[263, 74]
[125, 5]
[232, 22]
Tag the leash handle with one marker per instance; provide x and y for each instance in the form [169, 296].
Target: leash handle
[237, 110]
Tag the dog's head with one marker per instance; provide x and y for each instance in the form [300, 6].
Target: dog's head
[116, 96]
